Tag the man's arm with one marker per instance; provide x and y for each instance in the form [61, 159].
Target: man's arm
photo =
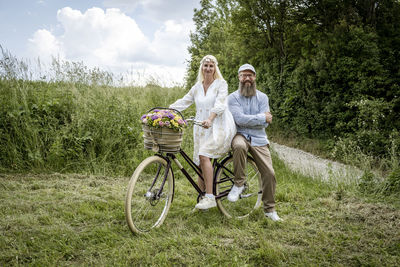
[264, 105]
[268, 117]
[244, 120]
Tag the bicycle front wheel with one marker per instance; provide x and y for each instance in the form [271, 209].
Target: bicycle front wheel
[149, 195]
[249, 199]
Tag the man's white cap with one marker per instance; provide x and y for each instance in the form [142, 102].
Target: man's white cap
[247, 67]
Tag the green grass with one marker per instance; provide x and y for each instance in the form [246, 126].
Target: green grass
[71, 127]
[74, 219]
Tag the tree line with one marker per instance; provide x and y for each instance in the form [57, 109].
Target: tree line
[330, 67]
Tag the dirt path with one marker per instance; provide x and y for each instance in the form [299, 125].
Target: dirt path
[314, 166]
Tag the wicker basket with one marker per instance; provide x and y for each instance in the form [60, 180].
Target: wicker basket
[162, 139]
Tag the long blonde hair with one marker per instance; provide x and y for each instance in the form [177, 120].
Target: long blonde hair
[217, 73]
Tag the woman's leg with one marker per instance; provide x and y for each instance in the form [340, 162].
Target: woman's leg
[201, 184]
[207, 170]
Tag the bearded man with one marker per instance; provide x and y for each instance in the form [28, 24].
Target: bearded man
[250, 110]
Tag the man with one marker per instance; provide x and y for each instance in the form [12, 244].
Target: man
[250, 110]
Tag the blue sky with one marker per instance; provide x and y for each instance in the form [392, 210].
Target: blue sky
[145, 37]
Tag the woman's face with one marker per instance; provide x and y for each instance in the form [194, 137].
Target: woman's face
[208, 68]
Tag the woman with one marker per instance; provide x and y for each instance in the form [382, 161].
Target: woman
[210, 94]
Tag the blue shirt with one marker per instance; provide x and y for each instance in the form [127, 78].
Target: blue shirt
[249, 116]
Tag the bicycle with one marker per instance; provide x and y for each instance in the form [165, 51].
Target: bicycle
[152, 185]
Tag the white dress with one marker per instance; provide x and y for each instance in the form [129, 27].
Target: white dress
[216, 140]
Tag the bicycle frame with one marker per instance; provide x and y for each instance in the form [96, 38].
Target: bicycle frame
[216, 165]
[169, 156]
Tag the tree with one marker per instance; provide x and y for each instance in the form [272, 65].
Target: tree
[316, 59]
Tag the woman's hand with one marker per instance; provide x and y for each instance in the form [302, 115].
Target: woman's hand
[207, 123]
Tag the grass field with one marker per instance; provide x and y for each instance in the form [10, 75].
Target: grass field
[74, 219]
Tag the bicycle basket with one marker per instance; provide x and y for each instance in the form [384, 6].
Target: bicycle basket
[162, 139]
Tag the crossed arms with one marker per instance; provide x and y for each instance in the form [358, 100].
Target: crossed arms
[259, 120]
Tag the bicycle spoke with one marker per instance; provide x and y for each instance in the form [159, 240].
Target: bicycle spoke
[249, 200]
[144, 209]
[223, 180]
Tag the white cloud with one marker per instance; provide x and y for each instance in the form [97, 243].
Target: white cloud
[101, 38]
[113, 41]
[44, 45]
[161, 10]
[171, 41]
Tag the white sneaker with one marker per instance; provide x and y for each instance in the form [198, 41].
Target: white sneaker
[233, 195]
[206, 203]
[273, 216]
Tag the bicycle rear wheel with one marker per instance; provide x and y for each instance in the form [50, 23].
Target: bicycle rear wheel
[249, 200]
[146, 206]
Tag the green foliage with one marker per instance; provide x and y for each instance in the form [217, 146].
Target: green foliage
[390, 186]
[368, 183]
[371, 115]
[330, 68]
[392, 183]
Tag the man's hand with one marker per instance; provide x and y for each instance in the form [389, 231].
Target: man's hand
[268, 117]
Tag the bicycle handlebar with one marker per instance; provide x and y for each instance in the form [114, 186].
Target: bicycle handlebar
[194, 121]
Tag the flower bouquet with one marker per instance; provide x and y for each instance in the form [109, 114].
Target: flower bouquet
[164, 118]
[163, 130]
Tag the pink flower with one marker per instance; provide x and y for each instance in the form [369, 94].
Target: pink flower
[180, 121]
[161, 123]
[144, 121]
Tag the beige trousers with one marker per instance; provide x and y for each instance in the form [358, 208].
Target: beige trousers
[262, 157]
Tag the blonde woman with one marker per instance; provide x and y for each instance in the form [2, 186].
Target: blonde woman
[210, 94]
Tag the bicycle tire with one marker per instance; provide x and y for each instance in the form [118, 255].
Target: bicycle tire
[144, 210]
[249, 200]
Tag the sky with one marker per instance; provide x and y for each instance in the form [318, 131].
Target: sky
[146, 38]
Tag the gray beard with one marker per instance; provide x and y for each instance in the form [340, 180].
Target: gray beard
[247, 90]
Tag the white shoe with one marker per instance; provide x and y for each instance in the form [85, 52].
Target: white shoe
[233, 195]
[273, 216]
[206, 203]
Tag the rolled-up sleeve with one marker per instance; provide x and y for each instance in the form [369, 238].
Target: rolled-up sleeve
[220, 101]
[264, 106]
[184, 102]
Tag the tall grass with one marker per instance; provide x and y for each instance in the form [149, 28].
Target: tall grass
[75, 121]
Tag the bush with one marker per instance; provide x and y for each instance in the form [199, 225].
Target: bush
[392, 182]
[368, 183]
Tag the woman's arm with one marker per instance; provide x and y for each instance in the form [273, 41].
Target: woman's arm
[220, 104]
[221, 99]
[184, 102]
